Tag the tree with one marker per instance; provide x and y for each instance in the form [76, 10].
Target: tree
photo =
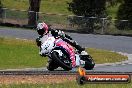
[1, 10]
[113, 2]
[88, 7]
[125, 13]
[32, 14]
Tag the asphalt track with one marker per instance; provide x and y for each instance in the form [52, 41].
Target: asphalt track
[108, 42]
[113, 43]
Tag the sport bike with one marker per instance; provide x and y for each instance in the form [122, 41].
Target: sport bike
[59, 55]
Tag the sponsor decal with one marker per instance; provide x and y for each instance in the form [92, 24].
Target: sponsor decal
[83, 78]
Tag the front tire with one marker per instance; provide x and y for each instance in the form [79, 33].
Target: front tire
[51, 66]
[58, 59]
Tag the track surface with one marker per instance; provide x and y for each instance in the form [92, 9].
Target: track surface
[114, 43]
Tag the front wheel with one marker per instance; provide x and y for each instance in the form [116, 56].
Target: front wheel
[51, 65]
[63, 60]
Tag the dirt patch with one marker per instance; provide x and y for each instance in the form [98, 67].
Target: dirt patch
[35, 79]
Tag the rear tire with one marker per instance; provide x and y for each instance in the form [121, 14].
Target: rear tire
[58, 60]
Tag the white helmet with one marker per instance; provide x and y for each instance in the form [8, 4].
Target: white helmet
[42, 28]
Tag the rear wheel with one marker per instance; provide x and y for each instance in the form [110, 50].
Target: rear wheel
[63, 60]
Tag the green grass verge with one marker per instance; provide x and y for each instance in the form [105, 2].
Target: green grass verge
[50, 6]
[68, 85]
[47, 6]
[105, 56]
[19, 54]
[16, 53]
[113, 30]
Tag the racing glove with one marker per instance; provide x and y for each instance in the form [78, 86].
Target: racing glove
[38, 41]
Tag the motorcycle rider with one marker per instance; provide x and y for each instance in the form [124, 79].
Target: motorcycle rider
[43, 29]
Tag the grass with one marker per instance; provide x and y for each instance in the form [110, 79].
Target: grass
[16, 4]
[119, 32]
[68, 85]
[16, 53]
[54, 7]
[16, 14]
[115, 31]
[112, 29]
[47, 6]
[53, 19]
[50, 6]
[19, 54]
[104, 56]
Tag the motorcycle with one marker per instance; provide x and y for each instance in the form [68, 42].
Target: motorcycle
[59, 56]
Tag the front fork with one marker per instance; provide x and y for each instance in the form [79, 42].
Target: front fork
[79, 60]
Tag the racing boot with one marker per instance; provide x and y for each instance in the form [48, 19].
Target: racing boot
[84, 53]
[80, 49]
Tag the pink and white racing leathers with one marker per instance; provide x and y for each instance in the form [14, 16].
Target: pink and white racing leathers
[69, 48]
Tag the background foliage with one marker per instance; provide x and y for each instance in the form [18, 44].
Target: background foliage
[125, 13]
